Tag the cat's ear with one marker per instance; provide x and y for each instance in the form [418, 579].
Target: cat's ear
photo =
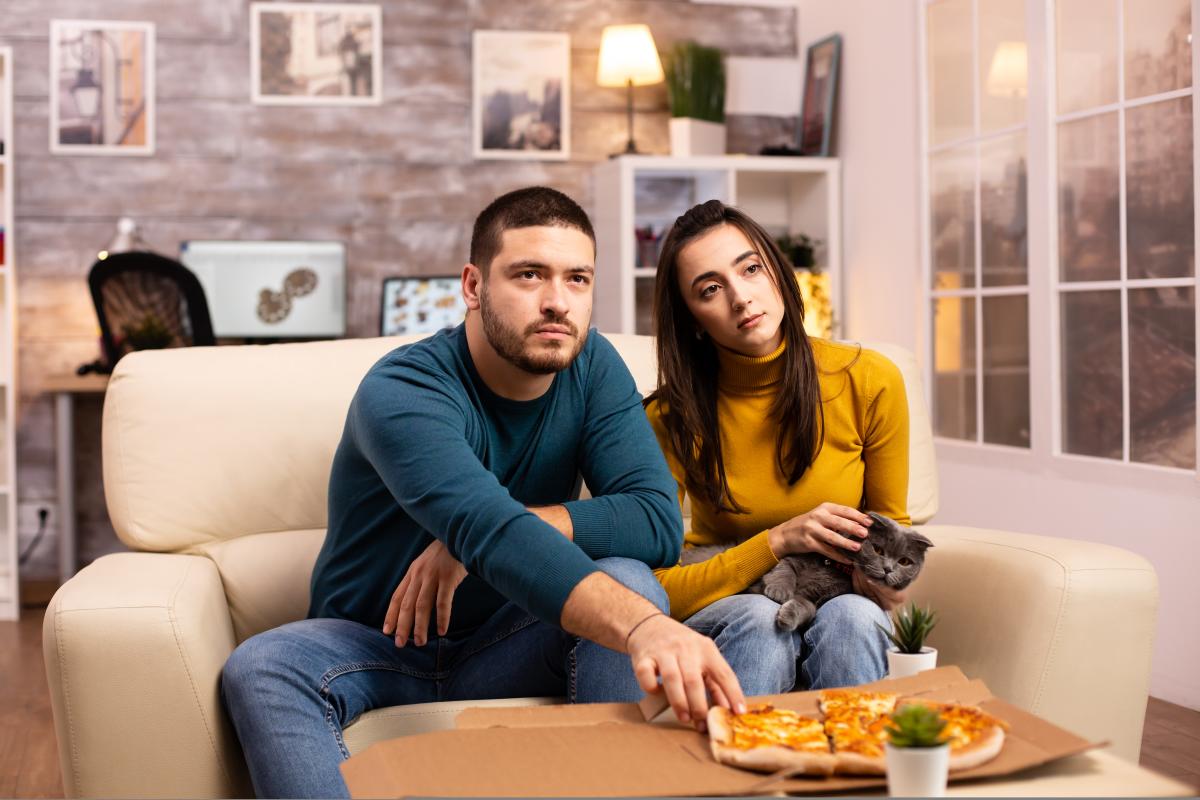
[919, 539]
[881, 521]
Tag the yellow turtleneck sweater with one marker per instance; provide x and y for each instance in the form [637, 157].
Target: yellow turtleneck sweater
[863, 463]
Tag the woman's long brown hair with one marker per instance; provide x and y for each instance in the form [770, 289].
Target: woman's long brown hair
[688, 366]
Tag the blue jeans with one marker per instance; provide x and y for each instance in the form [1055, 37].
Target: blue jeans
[291, 691]
[840, 647]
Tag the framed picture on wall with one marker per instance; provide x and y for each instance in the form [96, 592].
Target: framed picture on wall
[815, 134]
[316, 54]
[101, 87]
[421, 304]
[522, 95]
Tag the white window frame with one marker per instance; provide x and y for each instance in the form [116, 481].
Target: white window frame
[1045, 455]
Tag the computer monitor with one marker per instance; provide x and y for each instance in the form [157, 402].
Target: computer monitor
[273, 290]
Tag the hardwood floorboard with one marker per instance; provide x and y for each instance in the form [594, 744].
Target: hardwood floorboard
[29, 755]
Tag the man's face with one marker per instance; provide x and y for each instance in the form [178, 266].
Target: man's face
[536, 301]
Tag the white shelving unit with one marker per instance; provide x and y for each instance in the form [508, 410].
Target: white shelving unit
[10, 605]
[785, 195]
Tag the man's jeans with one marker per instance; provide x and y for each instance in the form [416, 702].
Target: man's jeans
[841, 646]
[292, 691]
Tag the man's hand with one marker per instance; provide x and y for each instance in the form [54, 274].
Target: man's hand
[431, 578]
[688, 663]
[885, 597]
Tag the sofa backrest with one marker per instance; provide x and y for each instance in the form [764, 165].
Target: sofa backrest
[226, 451]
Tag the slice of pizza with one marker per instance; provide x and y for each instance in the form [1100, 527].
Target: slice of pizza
[769, 739]
[856, 724]
[878, 703]
[975, 736]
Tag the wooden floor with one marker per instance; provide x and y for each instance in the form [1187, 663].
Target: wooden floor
[29, 756]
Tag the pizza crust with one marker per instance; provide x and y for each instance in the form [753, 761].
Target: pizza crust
[980, 751]
[848, 763]
[762, 759]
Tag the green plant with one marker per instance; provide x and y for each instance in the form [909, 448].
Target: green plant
[800, 248]
[916, 725]
[912, 625]
[696, 82]
[149, 334]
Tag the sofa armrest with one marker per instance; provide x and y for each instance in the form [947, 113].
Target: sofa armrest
[1060, 627]
[134, 645]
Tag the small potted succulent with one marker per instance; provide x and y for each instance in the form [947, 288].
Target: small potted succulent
[908, 654]
[696, 88]
[917, 752]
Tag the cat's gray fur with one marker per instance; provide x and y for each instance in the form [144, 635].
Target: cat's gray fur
[801, 583]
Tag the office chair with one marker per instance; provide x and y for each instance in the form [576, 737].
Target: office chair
[146, 301]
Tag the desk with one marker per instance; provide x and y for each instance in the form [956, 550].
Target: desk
[65, 388]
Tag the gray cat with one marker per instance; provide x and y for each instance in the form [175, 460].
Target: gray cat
[891, 554]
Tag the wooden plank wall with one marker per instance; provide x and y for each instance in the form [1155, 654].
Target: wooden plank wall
[396, 182]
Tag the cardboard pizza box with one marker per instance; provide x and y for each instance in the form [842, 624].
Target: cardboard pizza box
[638, 749]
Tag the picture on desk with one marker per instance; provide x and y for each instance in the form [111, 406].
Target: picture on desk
[421, 305]
[102, 87]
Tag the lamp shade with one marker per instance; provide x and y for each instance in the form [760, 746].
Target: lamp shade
[627, 53]
[1009, 72]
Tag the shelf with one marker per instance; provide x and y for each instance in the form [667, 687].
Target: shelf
[638, 272]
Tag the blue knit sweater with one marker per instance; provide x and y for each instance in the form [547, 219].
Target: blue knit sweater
[429, 451]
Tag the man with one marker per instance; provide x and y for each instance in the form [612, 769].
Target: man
[452, 485]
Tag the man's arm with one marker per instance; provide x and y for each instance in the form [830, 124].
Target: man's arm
[633, 512]
[411, 429]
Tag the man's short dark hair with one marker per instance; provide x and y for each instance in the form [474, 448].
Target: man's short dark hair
[531, 207]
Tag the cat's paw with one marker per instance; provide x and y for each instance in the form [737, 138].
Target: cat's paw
[794, 614]
[780, 594]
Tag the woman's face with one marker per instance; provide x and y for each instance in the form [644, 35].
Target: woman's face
[730, 291]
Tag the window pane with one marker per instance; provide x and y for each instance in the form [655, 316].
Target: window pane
[954, 367]
[1158, 186]
[1088, 211]
[1003, 64]
[952, 206]
[1087, 54]
[1158, 46]
[1002, 208]
[950, 104]
[1006, 370]
[1091, 374]
[1162, 376]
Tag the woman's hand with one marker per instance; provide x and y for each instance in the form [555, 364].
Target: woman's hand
[431, 578]
[829, 529]
[884, 596]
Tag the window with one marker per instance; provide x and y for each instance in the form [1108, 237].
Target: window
[1126, 262]
[1109, 290]
[976, 151]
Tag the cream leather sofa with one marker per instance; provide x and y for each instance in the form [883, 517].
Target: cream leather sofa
[216, 462]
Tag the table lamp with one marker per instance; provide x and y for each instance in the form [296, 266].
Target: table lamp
[628, 58]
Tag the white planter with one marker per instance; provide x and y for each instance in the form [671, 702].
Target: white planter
[917, 771]
[696, 137]
[901, 665]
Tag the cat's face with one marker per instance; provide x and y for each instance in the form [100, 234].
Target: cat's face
[891, 553]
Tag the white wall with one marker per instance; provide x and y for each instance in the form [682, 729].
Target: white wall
[878, 142]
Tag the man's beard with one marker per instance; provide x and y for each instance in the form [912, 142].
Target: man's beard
[510, 344]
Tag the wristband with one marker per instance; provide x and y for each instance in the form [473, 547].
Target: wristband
[639, 624]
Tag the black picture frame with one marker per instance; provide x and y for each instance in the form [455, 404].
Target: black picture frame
[814, 133]
[430, 304]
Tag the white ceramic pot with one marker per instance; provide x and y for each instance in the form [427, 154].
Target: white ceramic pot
[901, 665]
[917, 771]
[696, 137]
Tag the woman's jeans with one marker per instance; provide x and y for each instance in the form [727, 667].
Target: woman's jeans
[291, 691]
[840, 647]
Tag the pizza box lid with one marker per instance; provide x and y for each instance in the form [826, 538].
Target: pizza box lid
[630, 749]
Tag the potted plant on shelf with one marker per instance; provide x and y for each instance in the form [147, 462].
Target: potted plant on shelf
[908, 654]
[917, 753]
[696, 88]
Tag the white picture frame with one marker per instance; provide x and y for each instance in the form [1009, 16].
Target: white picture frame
[336, 71]
[507, 65]
[86, 59]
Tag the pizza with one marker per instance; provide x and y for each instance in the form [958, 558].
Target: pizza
[769, 739]
[848, 740]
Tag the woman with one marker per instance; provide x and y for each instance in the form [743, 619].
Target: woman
[759, 422]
